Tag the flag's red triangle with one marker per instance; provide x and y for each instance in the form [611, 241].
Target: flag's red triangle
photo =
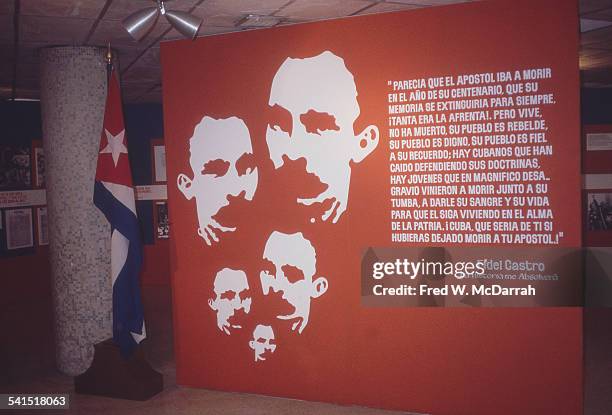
[113, 152]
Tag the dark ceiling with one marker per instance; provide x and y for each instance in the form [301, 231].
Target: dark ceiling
[28, 25]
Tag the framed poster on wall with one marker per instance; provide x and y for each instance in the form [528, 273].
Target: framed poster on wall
[597, 149]
[597, 208]
[599, 212]
[15, 167]
[158, 153]
[599, 141]
[18, 228]
[162, 226]
[597, 184]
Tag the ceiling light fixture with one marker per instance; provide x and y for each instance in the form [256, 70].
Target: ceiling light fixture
[140, 23]
[251, 21]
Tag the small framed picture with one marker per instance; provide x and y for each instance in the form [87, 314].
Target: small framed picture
[43, 227]
[15, 168]
[599, 211]
[18, 223]
[158, 153]
[161, 219]
[601, 141]
[596, 148]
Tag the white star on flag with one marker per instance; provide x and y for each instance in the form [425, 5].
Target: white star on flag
[115, 145]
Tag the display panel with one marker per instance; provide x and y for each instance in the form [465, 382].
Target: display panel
[292, 151]
[19, 232]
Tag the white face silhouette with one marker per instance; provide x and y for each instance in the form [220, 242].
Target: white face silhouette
[313, 107]
[223, 166]
[263, 342]
[231, 295]
[290, 267]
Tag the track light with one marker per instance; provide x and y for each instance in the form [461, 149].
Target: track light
[185, 23]
[140, 23]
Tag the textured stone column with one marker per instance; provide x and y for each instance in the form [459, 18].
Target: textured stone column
[73, 93]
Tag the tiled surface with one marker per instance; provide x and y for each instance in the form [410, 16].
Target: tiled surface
[322, 9]
[186, 401]
[112, 31]
[73, 91]
[235, 8]
[120, 9]
[88, 9]
[389, 7]
[176, 400]
[53, 30]
[69, 22]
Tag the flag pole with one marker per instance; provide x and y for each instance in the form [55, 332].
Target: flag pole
[117, 369]
[109, 62]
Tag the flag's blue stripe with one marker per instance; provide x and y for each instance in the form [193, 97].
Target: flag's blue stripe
[127, 306]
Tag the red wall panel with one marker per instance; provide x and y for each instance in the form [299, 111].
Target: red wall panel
[441, 361]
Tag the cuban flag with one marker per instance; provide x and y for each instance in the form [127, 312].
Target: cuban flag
[114, 196]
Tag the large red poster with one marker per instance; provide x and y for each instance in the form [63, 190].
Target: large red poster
[291, 151]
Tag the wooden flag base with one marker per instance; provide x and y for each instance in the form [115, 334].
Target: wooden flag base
[115, 377]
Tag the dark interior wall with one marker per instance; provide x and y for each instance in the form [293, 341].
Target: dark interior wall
[145, 123]
[25, 298]
[596, 106]
[26, 308]
[20, 121]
